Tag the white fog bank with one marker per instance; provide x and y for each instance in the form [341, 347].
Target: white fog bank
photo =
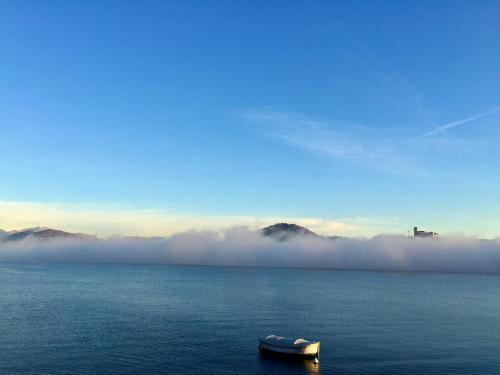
[242, 247]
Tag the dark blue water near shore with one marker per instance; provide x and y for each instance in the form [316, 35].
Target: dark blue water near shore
[131, 319]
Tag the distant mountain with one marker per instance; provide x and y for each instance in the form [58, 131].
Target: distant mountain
[285, 231]
[279, 232]
[40, 233]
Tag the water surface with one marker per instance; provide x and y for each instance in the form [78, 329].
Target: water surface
[127, 319]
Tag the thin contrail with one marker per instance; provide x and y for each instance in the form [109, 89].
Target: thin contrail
[453, 124]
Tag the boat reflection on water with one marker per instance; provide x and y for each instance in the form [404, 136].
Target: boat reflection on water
[282, 363]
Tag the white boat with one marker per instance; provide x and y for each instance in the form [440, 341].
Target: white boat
[286, 345]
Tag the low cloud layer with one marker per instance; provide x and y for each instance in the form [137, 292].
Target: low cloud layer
[242, 247]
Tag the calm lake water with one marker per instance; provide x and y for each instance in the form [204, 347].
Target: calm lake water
[129, 319]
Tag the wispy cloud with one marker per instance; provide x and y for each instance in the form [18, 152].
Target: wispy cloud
[348, 141]
[309, 133]
[454, 124]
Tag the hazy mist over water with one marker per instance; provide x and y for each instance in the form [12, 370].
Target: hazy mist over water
[242, 247]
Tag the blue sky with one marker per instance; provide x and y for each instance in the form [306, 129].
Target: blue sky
[364, 117]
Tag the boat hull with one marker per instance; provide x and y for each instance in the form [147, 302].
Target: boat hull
[311, 350]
